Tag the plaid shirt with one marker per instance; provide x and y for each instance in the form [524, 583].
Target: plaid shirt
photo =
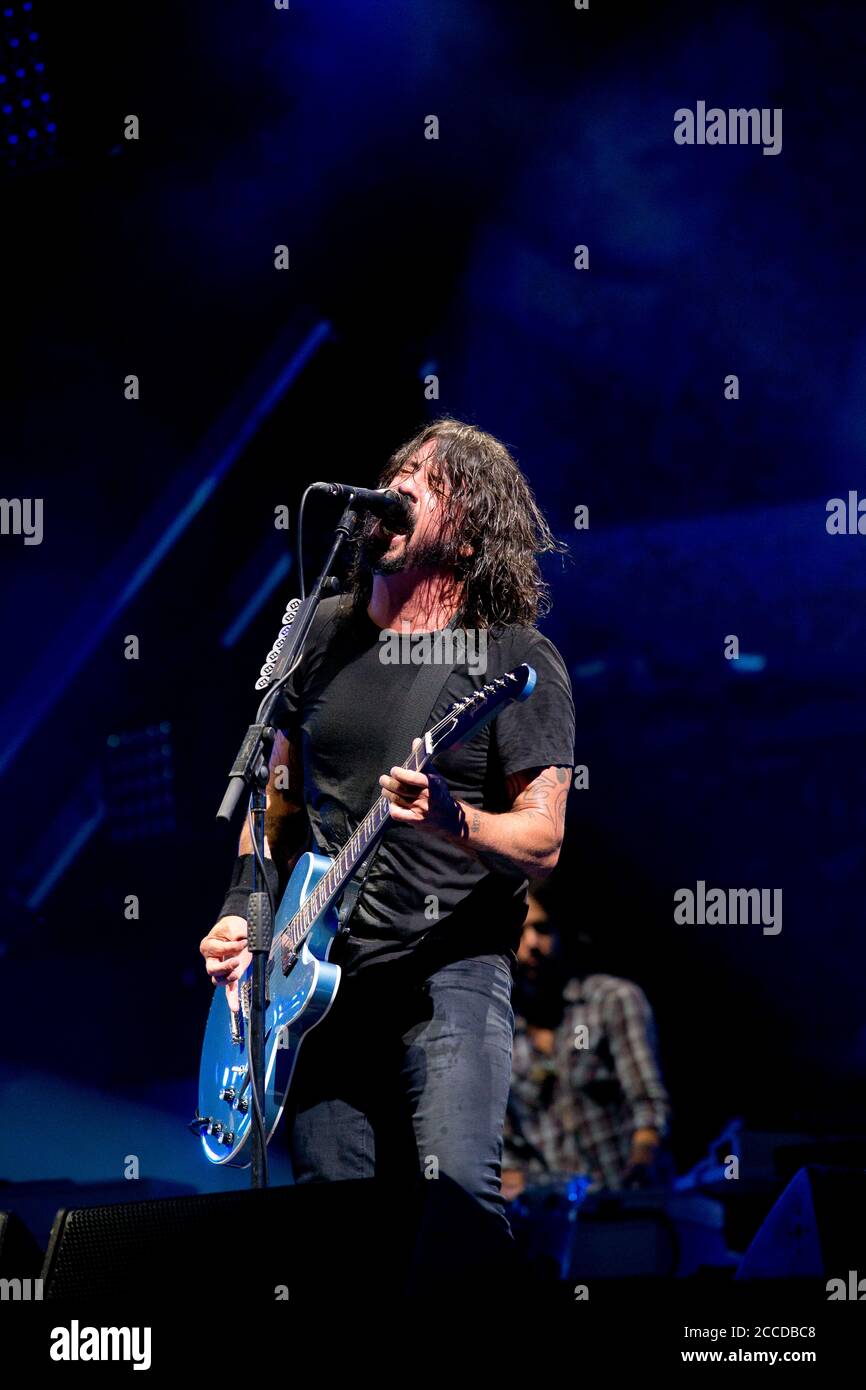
[580, 1106]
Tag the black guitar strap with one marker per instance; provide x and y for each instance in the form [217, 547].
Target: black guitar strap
[411, 721]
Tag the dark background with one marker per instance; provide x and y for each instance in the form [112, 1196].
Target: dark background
[410, 256]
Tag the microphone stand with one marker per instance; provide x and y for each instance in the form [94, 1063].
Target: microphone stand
[249, 773]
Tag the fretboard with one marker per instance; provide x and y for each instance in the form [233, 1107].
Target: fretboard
[332, 884]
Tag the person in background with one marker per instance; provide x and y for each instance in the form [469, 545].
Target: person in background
[586, 1093]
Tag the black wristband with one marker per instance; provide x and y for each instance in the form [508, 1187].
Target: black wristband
[241, 885]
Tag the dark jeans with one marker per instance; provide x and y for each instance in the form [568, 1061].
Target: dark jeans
[415, 1080]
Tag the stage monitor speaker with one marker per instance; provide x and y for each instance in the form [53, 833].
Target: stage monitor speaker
[817, 1228]
[37, 1203]
[362, 1241]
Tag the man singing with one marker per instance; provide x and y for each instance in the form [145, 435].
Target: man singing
[409, 1071]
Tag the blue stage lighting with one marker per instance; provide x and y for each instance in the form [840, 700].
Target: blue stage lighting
[158, 533]
[61, 861]
[257, 600]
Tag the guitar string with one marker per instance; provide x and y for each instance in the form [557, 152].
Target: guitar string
[288, 938]
[343, 865]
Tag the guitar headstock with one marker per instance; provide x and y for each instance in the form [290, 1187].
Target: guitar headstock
[470, 714]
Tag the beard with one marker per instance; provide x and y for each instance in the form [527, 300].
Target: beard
[433, 554]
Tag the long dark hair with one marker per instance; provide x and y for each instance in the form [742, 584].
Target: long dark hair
[489, 504]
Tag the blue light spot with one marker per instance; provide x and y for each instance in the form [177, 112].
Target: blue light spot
[748, 662]
[588, 669]
[45, 96]
[52, 125]
[31, 135]
[26, 102]
[7, 14]
[33, 37]
[2, 77]
[38, 67]
[7, 110]
[13, 43]
[13, 139]
[19, 72]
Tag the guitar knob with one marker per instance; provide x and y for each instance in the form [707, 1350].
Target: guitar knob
[228, 1093]
[241, 1105]
[228, 1139]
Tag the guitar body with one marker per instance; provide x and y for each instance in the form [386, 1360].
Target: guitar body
[296, 1003]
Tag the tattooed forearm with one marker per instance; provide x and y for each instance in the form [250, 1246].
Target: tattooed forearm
[545, 797]
[527, 838]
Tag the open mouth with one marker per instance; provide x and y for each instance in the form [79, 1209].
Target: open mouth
[387, 530]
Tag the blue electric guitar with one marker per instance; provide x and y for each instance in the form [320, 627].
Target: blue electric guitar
[301, 982]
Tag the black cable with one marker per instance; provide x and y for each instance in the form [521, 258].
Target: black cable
[277, 685]
[257, 1108]
[267, 698]
[300, 541]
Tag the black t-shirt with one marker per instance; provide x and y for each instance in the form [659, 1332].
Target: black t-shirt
[420, 888]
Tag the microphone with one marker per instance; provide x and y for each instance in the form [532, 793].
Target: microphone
[393, 508]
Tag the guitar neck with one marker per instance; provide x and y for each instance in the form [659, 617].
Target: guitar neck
[353, 853]
[462, 722]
